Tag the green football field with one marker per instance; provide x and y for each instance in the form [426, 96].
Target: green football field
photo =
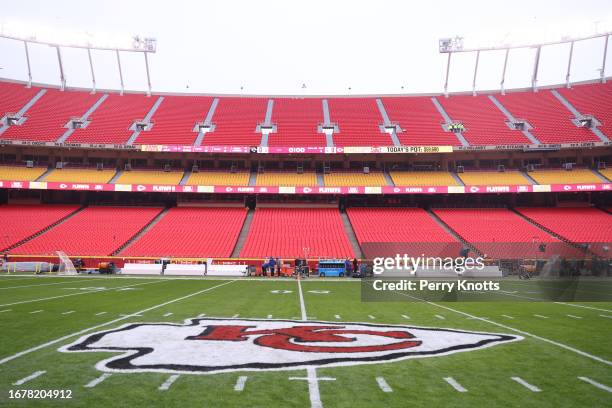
[553, 355]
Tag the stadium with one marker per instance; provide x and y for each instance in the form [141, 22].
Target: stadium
[167, 247]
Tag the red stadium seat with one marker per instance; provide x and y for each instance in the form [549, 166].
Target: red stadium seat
[285, 232]
[95, 230]
[191, 232]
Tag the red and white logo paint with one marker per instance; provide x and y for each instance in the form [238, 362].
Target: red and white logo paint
[210, 345]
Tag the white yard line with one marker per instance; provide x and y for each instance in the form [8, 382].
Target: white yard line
[574, 317]
[168, 314]
[524, 333]
[311, 372]
[166, 385]
[382, 384]
[36, 311]
[100, 314]
[540, 316]
[596, 384]
[606, 316]
[525, 384]
[240, 383]
[455, 384]
[76, 294]
[97, 381]
[68, 312]
[5, 310]
[29, 378]
[440, 317]
[406, 317]
[81, 332]
[371, 317]
[508, 317]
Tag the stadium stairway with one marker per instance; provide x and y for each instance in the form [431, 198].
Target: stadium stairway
[457, 178]
[447, 119]
[350, 233]
[388, 178]
[116, 177]
[42, 231]
[244, 233]
[45, 174]
[600, 176]
[528, 177]
[253, 178]
[452, 232]
[320, 178]
[186, 176]
[141, 232]
[547, 230]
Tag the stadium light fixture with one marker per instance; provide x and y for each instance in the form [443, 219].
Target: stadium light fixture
[525, 39]
[62, 38]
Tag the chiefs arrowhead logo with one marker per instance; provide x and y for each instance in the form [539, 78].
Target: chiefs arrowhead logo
[211, 345]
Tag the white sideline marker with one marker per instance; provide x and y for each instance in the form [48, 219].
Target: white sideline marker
[168, 314]
[240, 383]
[29, 378]
[68, 312]
[508, 317]
[166, 385]
[383, 385]
[337, 317]
[269, 317]
[440, 317]
[236, 315]
[596, 384]
[371, 317]
[406, 317]
[100, 314]
[455, 384]
[540, 316]
[525, 384]
[36, 311]
[574, 317]
[97, 381]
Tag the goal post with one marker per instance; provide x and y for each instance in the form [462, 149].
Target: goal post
[66, 267]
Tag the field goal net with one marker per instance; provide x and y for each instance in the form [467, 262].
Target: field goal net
[66, 267]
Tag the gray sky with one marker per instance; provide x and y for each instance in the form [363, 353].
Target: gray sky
[274, 46]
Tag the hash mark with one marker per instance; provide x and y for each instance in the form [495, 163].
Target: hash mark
[29, 378]
[453, 383]
[168, 314]
[97, 381]
[166, 385]
[36, 311]
[384, 386]
[508, 317]
[574, 317]
[100, 314]
[371, 317]
[525, 384]
[441, 318]
[68, 312]
[240, 383]
[406, 317]
[540, 316]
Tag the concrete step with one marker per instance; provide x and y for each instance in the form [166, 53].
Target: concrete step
[350, 233]
[452, 232]
[244, 233]
[140, 233]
